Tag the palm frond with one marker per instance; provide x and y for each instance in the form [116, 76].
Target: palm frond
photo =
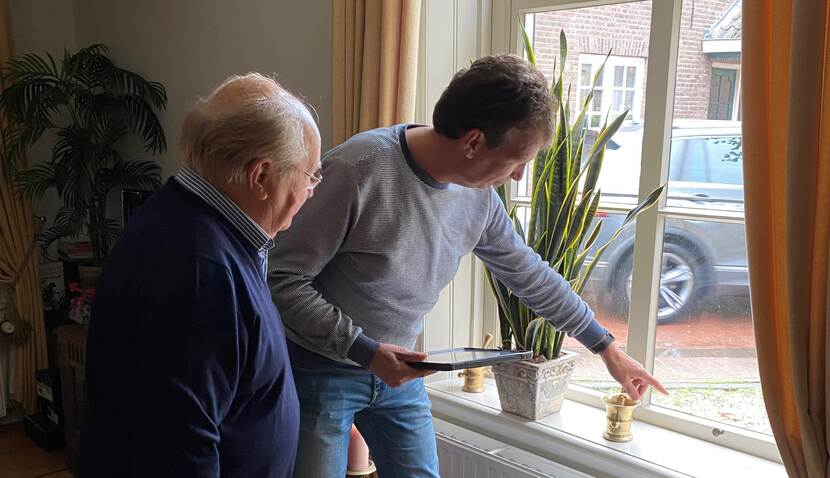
[127, 174]
[91, 105]
[68, 223]
[33, 183]
[146, 125]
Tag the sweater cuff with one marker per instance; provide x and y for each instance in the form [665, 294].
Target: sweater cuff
[595, 337]
[363, 350]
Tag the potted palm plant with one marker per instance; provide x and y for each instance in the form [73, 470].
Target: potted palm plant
[88, 106]
[563, 229]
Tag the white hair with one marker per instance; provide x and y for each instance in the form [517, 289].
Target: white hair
[267, 122]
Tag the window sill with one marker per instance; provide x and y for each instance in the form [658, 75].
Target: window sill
[573, 438]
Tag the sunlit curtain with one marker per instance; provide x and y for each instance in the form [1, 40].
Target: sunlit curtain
[374, 64]
[786, 122]
[18, 270]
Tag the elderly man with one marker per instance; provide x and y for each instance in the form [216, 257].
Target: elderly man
[188, 373]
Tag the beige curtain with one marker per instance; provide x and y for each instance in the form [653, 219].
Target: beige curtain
[17, 268]
[786, 123]
[374, 64]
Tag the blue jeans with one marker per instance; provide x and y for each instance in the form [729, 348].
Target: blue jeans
[395, 422]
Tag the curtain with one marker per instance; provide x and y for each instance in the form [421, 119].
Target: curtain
[18, 267]
[786, 145]
[374, 64]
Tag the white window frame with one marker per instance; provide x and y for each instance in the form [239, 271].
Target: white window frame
[660, 83]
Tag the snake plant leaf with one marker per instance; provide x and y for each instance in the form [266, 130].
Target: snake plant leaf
[649, 201]
[550, 343]
[560, 225]
[589, 215]
[507, 309]
[531, 56]
[577, 229]
[533, 335]
[563, 51]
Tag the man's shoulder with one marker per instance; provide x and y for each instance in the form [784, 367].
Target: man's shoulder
[366, 147]
[176, 223]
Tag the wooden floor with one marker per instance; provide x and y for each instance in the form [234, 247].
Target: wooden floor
[20, 457]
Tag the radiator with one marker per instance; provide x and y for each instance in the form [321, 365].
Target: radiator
[465, 454]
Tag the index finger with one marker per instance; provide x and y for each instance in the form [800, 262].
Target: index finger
[655, 383]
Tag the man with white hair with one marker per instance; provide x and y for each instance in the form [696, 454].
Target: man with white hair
[187, 368]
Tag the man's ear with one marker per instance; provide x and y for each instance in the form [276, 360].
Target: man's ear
[257, 174]
[472, 140]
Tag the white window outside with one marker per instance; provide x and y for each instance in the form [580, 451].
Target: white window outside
[619, 87]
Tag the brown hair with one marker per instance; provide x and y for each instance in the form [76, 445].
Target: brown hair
[496, 94]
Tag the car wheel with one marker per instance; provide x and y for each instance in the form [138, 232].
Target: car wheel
[680, 280]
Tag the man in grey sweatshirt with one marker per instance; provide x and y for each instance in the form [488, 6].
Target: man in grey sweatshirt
[368, 255]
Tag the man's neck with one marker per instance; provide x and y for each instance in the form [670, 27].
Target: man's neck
[431, 152]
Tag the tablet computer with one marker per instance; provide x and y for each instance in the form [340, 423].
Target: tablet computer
[467, 357]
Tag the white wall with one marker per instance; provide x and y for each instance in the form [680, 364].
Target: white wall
[192, 45]
[189, 46]
[42, 25]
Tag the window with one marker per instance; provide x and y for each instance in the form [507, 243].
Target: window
[619, 86]
[682, 269]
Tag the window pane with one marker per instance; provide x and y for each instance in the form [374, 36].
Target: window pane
[629, 99]
[706, 160]
[631, 76]
[596, 104]
[583, 94]
[605, 293]
[617, 104]
[618, 75]
[585, 74]
[705, 350]
[620, 176]
[523, 213]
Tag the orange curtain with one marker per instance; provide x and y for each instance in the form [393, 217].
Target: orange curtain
[786, 130]
[17, 268]
[374, 64]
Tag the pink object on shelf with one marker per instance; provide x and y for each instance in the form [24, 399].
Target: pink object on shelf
[358, 451]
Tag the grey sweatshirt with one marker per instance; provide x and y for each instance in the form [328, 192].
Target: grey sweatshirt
[366, 257]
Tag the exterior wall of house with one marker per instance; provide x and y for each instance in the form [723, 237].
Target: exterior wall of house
[623, 29]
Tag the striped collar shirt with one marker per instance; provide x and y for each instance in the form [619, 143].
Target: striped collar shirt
[252, 231]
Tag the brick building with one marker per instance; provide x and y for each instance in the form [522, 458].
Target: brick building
[708, 68]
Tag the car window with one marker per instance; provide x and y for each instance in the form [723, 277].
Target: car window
[714, 159]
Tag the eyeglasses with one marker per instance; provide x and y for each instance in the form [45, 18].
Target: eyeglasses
[316, 178]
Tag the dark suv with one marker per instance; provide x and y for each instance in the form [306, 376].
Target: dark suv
[700, 258]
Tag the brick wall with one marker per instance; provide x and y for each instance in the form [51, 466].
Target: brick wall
[624, 29]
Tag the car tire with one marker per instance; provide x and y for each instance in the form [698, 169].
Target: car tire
[681, 282]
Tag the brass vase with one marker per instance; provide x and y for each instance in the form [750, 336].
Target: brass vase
[619, 414]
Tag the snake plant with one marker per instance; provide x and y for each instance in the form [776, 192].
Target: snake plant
[563, 226]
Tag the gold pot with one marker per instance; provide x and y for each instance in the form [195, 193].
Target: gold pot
[619, 414]
[474, 379]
